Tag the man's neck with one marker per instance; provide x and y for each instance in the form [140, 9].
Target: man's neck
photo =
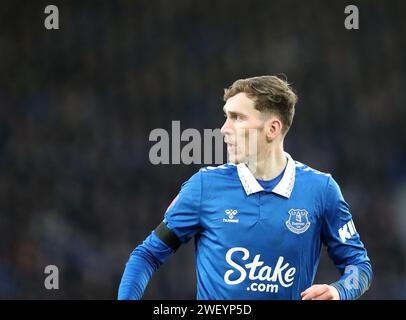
[269, 165]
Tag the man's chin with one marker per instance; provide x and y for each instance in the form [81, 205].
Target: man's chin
[233, 159]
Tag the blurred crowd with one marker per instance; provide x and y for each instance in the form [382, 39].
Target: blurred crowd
[77, 189]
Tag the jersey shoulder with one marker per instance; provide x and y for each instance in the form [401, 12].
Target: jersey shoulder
[227, 169]
[209, 175]
[311, 175]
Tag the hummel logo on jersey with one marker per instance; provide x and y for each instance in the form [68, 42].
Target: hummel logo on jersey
[231, 214]
[347, 231]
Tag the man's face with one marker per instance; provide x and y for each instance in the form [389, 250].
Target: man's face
[243, 129]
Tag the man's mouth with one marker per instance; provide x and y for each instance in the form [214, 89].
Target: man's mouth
[228, 142]
[230, 146]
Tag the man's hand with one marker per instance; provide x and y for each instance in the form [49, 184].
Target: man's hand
[320, 292]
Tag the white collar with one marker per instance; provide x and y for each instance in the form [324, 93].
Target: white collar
[283, 188]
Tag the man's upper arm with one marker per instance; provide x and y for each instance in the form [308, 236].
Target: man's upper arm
[182, 218]
[343, 242]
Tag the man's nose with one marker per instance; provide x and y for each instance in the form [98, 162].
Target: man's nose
[226, 128]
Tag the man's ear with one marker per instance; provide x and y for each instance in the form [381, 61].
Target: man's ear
[273, 127]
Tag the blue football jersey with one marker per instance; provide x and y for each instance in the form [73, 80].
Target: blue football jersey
[253, 242]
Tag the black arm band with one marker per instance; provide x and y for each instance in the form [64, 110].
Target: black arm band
[167, 236]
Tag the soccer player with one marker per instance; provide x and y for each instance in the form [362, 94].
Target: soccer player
[259, 221]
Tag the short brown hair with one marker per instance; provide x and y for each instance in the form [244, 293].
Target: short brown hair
[270, 93]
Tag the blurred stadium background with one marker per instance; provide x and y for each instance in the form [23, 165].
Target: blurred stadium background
[77, 105]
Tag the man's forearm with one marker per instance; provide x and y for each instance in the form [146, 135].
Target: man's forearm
[143, 262]
[355, 281]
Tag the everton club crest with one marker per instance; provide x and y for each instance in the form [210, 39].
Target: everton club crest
[298, 221]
